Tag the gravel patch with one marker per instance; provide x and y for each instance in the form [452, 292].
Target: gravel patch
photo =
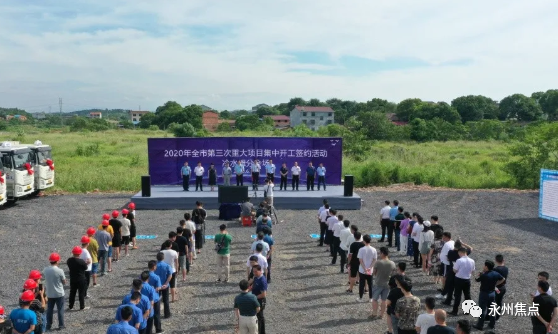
[307, 295]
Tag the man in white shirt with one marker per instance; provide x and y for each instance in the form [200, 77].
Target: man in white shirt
[344, 234]
[464, 268]
[448, 245]
[331, 221]
[258, 241]
[268, 191]
[171, 258]
[367, 257]
[198, 171]
[295, 171]
[384, 219]
[322, 217]
[270, 171]
[86, 256]
[227, 172]
[262, 260]
[415, 235]
[255, 168]
[336, 238]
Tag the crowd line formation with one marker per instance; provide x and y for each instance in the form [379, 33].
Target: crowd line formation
[426, 246]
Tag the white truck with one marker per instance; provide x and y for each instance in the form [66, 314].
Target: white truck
[42, 164]
[18, 170]
[3, 196]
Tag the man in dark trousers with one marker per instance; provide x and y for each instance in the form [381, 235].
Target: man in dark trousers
[488, 279]
[463, 269]
[77, 278]
[284, 171]
[500, 288]
[310, 176]
[259, 289]
[117, 237]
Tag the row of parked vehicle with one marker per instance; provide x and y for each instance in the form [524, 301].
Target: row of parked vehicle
[25, 169]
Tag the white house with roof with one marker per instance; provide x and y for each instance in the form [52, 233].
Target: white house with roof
[313, 117]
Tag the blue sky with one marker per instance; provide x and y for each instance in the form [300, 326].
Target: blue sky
[233, 55]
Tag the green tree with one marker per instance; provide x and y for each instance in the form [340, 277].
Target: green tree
[225, 114]
[262, 111]
[419, 130]
[193, 114]
[475, 107]
[519, 107]
[486, 129]
[224, 127]
[381, 105]
[441, 110]
[295, 101]
[549, 104]
[538, 149]
[182, 130]
[147, 120]
[375, 125]
[170, 112]
[127, 124]
[247, 122]
[406, 108]
[315, 103]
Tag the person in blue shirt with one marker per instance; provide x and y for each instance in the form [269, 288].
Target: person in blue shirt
[310, 175]
[164, 271]
[123, 327]
[137, 317]
[321, 171]
[391, 225]
[23, 319]
[270, 171]
[259, 289]
[144, 304]
[269, 239]
[151, 294]
[239, 172]
[185, 173]
[155, 282]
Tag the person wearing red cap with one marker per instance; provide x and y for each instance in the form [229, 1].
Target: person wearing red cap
[54, 281]
[77, 267]
[103, 238]
[93, 249]
[132, 218]
[117, 237]
[126, 224]
[86, 256]
[23, 319]
[5, 324]
[36, 276]
[37, 305]
[106, 217]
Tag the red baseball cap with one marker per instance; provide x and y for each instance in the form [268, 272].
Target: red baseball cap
[27, 296]
[106, 223]
[132, 206]
[106, 216]
[35, 274]
[2, 310]
[115, 214]
[54, 257]
[30, 284]
[76, 250]
[125, 212]
[91, 230]
[85, 239]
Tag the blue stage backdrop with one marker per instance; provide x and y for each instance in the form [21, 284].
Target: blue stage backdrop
[167, 156]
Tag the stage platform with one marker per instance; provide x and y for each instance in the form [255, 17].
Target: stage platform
[174, 198]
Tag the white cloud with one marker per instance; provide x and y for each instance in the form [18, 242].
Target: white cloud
[145, 52]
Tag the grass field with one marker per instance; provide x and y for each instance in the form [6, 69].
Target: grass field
[114, 161]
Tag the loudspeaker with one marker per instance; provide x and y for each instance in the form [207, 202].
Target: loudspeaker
[349, 181]
[146, 186]
[232, 194]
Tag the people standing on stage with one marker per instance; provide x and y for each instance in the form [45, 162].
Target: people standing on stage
[199, 170]
[270, 171]
[227, 171]
[268, 191]
[321, 175]
[212, 175]
[239, 172]
[185, 172]
[284, 172]
[310, 175]
[255, 168]
[295, 171]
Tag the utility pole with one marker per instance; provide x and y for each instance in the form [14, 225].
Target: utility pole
[60, 104]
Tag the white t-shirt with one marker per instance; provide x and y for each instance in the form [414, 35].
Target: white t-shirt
[369, 256]
[464, 267]
[295, 170]
[323, 215]
[417, 230]
[337, 229]
[427, 236]
[385, 212]
[262, 261]
[445, 250]
[549, 292]
[199, 171]
[85, 255]
[170, 257]
[125, 227]
[191, 226]
[265, 247]
[343, 236]
[331, 221]
[269, 189]
[425, 321]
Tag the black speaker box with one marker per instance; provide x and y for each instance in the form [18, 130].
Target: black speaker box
[232, 194]
[146, 186]
[349, 182]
